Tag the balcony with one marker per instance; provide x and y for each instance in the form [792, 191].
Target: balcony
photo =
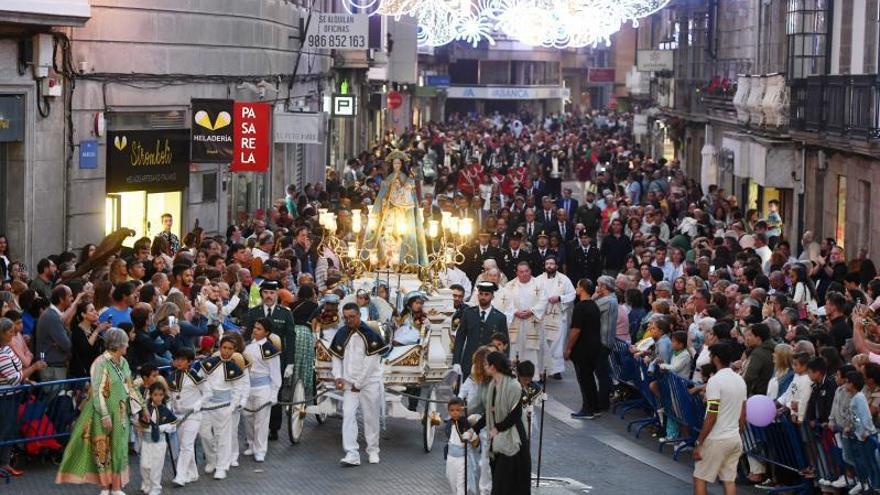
[844, 106]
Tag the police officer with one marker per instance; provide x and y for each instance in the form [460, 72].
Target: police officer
[514, 254]
[282, 326]
[478, 324]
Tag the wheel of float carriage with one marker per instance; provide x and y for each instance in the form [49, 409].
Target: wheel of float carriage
[296, 415]
[430, 419]
[320, 417]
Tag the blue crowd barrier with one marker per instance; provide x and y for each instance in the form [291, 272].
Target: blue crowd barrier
[628, 371]
[43, 411]
[680, 405]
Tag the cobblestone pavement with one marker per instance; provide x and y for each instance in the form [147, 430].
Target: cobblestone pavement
[584, 457]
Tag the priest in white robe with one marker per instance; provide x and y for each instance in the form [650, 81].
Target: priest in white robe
[524, 304]
[491, 275]
[452, 275]
[560, 295]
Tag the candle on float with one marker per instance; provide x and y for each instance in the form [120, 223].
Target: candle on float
[356, 221]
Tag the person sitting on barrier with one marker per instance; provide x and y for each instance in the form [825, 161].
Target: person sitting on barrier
[189, 390]
[863, 435]
[265, 375]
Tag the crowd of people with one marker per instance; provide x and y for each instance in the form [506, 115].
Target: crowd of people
[697, 285]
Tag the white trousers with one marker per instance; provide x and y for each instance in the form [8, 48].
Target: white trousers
[152, 461]
[368, 400]
[187, 470]
[455, 474]
[256, 424]
[233, 432]
[216, 434]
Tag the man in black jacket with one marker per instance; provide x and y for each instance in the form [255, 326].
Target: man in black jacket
[615, 248]
[476, 255]
[584, 260]
[514, 254]
[824, 388]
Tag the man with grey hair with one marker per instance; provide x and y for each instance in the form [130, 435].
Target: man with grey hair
[606, 298]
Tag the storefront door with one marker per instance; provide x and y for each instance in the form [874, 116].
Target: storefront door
[142, 212]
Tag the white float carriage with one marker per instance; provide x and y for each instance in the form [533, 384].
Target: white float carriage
[423, 366]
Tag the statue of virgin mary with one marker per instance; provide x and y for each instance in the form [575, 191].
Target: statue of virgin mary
[397, 231]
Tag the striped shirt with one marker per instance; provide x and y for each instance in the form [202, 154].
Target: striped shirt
[10, 367]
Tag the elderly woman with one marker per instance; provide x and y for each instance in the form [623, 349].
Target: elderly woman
[98, 448]
[12, 374]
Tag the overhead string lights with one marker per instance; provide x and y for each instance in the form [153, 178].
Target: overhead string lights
[548, 23]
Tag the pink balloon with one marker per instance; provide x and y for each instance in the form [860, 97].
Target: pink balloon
[760, 410]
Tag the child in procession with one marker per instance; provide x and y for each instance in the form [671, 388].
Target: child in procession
[189, 390]
[154, 424]
[263, 353]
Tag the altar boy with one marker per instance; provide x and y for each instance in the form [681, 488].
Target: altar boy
[188, 391]
[263, 353]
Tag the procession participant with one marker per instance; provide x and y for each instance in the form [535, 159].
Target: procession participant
[229, 389]
[368, 310]
[471, 391]
[357, 369]
[478, 324]
[524, 304]
[456, 463]
[508, 441]
[245, 363]
[411, 322]
[540, 254]
[514, 254]
[158, 420]
[326, 323]
[560, 294]
[478, 253]
[452, 275]
[282, 326]
[263, 353]
[189, 390]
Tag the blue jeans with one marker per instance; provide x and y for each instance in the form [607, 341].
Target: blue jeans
[864, 456]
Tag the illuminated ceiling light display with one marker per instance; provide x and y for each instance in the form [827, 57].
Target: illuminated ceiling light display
[549, 23]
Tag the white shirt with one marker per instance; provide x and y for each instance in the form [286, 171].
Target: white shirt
[454, 275]
[356, 368]
[190, 395]
[800, 390]
[264, 367]
[240, 388]
[729, 389]
[259, 253]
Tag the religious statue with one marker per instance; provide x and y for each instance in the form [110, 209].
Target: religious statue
[396, 230]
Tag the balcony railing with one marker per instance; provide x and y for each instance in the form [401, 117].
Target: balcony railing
[841, 105]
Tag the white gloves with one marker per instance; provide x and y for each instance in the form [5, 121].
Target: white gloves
[456, 368]
[473, 418]
[468, 435]
[166, 428]
[288, 371]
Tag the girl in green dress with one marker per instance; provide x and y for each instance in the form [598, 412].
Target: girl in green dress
[98, 448]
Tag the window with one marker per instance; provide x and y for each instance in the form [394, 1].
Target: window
[871, 20]
[846, 27]
[698, 29]
[840, 232]
[807, 30]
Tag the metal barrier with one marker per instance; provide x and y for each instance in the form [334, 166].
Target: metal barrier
[780, 444]
[680, 405]
[44, 411]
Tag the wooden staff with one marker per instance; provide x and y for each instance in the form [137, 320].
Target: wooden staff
[541, 432]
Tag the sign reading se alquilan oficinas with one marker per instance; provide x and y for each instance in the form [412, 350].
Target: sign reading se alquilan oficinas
[152, 161]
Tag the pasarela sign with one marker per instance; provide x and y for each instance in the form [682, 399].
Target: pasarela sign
[251, 137]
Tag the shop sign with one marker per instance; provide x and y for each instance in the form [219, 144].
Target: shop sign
[441, 81]
[212, 127]
[508, 92]
[11, 118]
[654, 60]
[251, 137]
[148, 160]
[298, 127]
[88, 154]
[600, 75]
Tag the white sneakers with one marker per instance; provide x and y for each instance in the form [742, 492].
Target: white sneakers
[209, 468]
[248, 452]
[259, 458]
[374, 458]
[351, 459]
[220, 474]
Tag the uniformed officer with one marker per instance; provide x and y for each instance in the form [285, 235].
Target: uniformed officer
[513, 255]
[282, 326]
[540, 253]
[478, 324]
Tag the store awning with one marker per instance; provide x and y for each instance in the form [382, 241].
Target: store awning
[769, 163]
[45, 12]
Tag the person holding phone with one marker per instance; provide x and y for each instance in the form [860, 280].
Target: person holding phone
[86, 335]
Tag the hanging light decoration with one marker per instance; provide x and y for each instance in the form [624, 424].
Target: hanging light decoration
[549, 23]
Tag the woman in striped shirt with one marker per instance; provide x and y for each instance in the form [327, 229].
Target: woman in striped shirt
[12, 373]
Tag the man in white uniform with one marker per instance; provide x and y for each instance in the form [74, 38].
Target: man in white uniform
[560, 296]
[524, 303]
[357, 369]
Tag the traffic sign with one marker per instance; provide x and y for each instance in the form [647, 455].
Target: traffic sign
[395, 100]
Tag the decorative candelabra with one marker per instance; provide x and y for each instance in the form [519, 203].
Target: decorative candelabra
[448, 236]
